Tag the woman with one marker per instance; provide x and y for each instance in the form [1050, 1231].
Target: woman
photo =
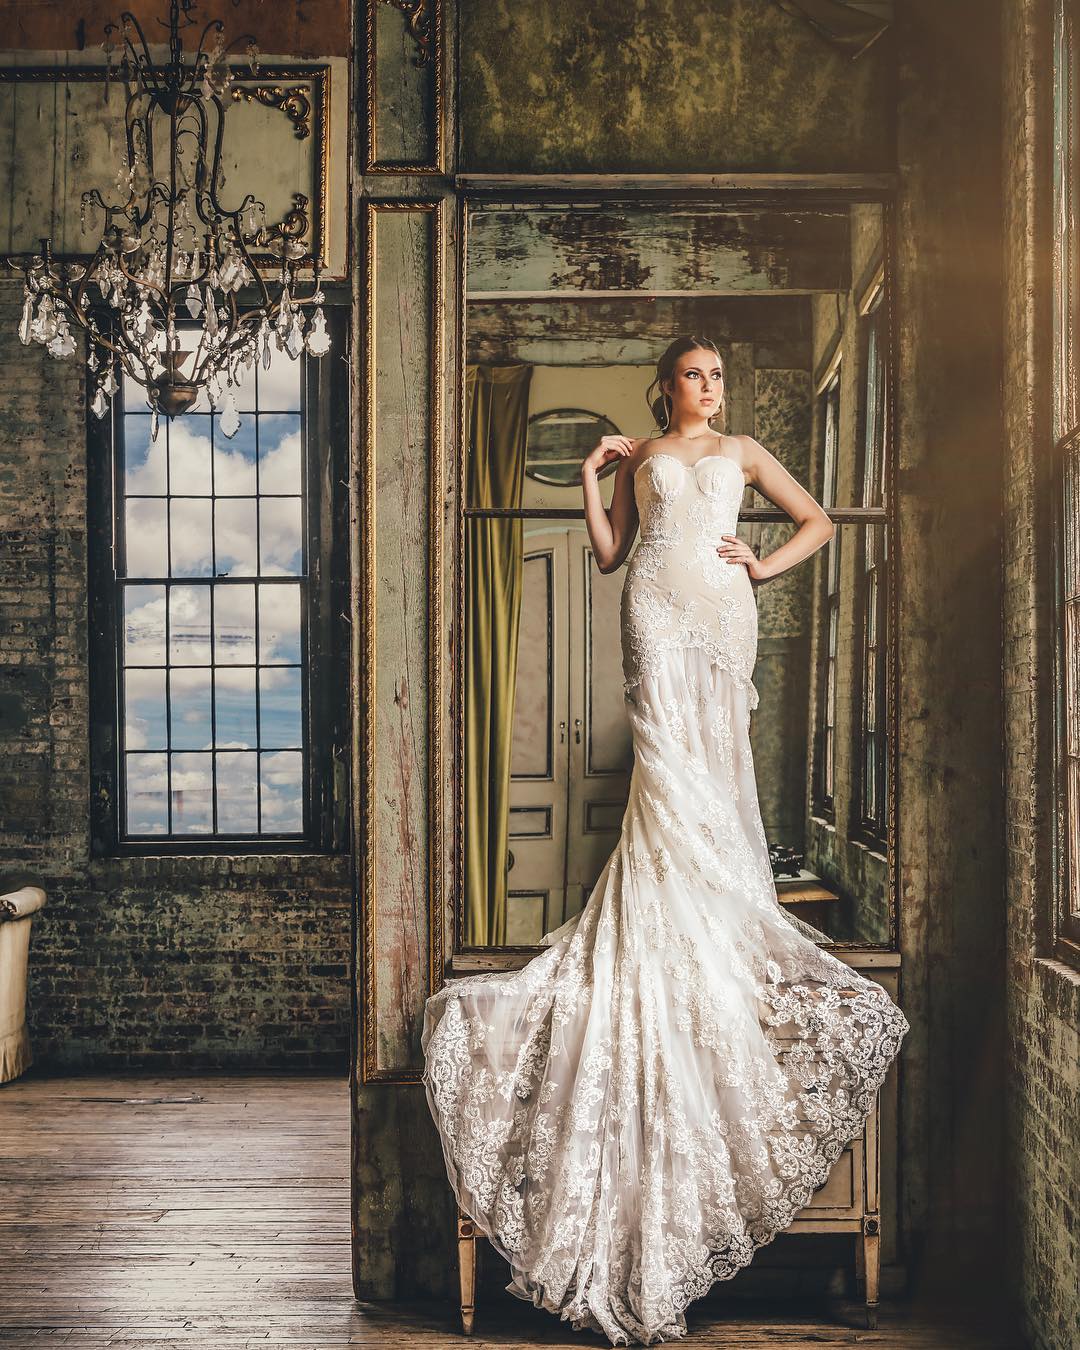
[656, 1095]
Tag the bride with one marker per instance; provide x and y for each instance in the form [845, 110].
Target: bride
[658, 1093]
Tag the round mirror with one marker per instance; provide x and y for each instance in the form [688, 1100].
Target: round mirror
[558, 441]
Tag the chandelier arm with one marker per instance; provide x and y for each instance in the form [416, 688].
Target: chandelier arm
[156, 192]
[134, 119]
[251, 265]
[201, 54]
[91, 268]
[200, 190]
[144, 64]
[215, 163]
[170, 208]
[144, 282]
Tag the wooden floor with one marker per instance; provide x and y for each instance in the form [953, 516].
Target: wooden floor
[214, 1211]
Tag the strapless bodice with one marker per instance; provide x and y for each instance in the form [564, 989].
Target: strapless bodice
[678, 591]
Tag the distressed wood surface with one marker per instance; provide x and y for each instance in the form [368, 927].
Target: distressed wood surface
[674, 250]
[257, 1169]
[399, 922]
[633, 330]
[404, 97]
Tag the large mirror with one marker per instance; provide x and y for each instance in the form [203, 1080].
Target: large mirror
[567, 308]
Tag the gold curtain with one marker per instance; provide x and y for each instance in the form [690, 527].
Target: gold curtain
[496, 420]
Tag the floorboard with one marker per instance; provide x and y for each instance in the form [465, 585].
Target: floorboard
[214, 1211]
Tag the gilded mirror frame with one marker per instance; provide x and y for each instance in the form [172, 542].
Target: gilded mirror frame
[804, 196]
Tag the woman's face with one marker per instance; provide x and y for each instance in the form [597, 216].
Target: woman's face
[698, 383]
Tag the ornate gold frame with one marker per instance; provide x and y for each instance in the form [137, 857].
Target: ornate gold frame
[425, 21]
[318, 120]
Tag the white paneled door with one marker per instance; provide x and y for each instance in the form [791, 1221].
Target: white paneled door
[572, 750]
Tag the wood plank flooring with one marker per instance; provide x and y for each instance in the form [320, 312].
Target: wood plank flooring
[214, 1211]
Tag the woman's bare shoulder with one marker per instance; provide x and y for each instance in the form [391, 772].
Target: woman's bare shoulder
[639, 450]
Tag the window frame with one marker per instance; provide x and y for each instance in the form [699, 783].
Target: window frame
[823, 782]
[1064, 173]
[325, 640]
[871, 588]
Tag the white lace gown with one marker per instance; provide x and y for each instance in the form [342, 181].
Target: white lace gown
[658, 1092]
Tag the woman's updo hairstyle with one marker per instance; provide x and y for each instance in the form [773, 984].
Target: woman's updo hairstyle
[660, 406]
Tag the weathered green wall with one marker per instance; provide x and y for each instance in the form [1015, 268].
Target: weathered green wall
[576, 86]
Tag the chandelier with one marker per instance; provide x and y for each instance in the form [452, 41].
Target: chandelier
[173, 296]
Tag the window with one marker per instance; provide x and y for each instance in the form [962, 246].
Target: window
[871, 763]
[1066, 432]
[825, 738]
[218, 571]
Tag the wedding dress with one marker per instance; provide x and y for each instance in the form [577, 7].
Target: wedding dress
[659, 1092]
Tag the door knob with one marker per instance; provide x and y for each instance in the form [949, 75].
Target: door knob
[577, 730]
[562, 731]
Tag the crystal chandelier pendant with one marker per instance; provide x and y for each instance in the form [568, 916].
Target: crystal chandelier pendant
[318, 339]
[230, 418]
[173, 266]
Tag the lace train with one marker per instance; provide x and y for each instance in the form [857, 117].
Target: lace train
[657, 1094]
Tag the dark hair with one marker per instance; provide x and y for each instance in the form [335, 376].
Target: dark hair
[660, 406]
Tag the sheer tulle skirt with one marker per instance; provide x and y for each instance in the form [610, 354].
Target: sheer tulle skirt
[657, 1094]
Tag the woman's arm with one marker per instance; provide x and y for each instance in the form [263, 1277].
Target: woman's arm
[611, 529]
[769, 476]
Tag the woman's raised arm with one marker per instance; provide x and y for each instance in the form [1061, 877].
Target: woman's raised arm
[611, 529]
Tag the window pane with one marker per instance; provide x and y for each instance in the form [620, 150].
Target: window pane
[145, 722]
[279, 455]
[146, 537]
[192, 792]
[280, 707]
[189, 703]
[190, 538]
[147, 800]
[189, 625]
[145, 461]
[235, 535]
[234, 625]
[237, 791]
[280, 542]
[282, 792]
[189, 455]
[144, 625]
[235, 707]
[234, 461]
[279, 624]
[279, 387]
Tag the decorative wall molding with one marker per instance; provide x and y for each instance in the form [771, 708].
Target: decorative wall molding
[74, 124]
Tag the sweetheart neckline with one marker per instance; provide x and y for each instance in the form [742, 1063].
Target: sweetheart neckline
[662, 454]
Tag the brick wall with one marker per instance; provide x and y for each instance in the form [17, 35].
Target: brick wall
[182, 962]
[1043, 996]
